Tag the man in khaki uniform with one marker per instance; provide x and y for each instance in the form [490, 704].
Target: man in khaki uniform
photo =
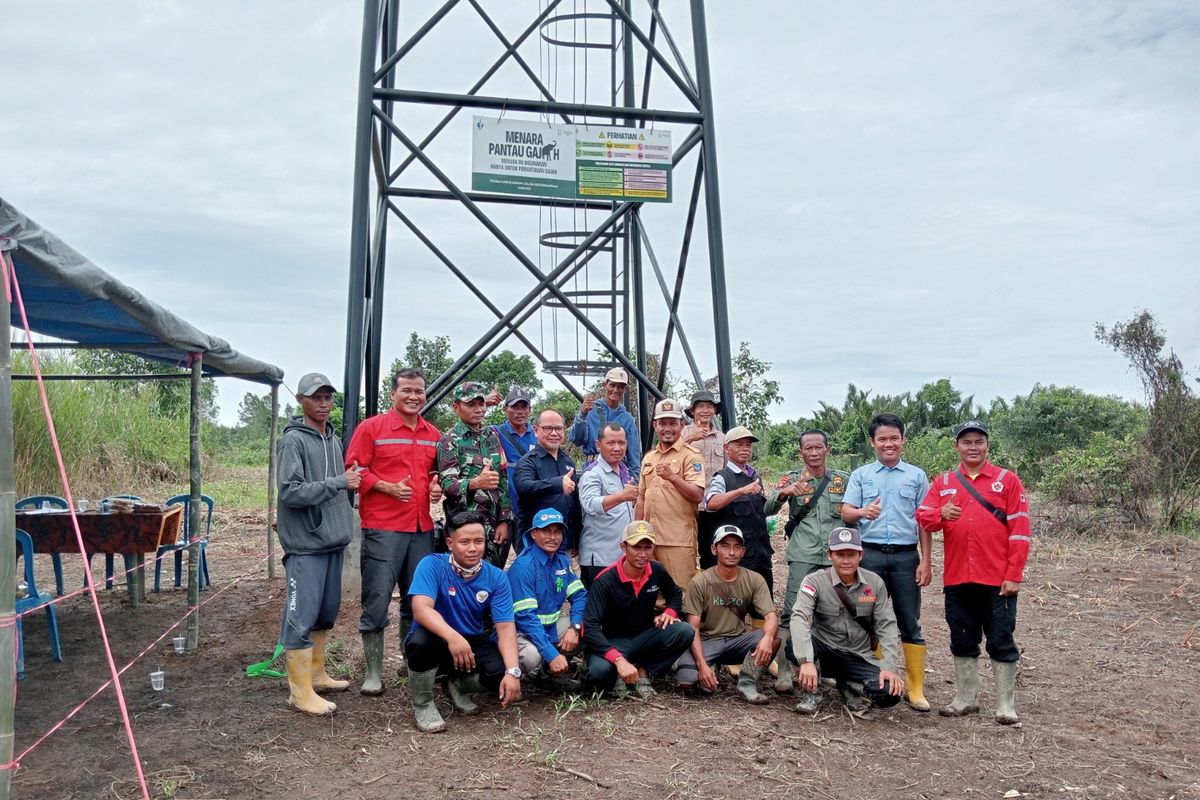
[672, 486]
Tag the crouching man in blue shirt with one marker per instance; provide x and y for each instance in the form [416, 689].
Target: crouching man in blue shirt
[451, 595]
[542, 581]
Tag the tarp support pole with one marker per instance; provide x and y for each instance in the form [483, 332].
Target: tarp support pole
[272, 480]
[193, 562]
[8, 544]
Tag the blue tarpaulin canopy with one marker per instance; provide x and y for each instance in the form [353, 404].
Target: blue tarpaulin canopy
[70, 298]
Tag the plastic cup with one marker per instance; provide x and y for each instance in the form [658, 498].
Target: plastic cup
[83, 506]
[156, 680]
[180, 643]
[46, 505]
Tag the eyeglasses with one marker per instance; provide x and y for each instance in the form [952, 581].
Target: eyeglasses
[551, 428]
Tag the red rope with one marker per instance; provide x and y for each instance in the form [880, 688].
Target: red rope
[17, 760]
[62, 472]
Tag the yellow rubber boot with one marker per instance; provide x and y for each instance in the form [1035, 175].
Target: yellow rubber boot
[321, 682]
[914, 675]
[299, 674]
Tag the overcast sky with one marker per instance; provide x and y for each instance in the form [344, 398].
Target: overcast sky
[910, 191]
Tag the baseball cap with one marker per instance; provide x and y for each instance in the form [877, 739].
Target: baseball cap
[739, 432]
[617, 375]
[845, 539]
[667, 409]
[547, 517]
[517, 395]
[311, 383]
[728, 530]
[638, 531]
[469, 391]
[970, 425]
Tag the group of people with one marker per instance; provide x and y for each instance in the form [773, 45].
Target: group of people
[673, 547]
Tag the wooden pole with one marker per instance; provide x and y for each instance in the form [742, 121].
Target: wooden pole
[193, 560]
[8, 544]
[272, 479]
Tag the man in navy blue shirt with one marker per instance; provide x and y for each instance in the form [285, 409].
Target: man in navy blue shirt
[545, 478]
[881, 499]
[452, 595]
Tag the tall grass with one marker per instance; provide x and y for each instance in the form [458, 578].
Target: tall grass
[112, 435]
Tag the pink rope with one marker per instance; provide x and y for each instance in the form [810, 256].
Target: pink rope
[70, 595]
[16, 762]
[62, 472]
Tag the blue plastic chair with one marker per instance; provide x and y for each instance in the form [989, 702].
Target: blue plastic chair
[185, 500]
[108, 557]
[34, 599]
[55, 502]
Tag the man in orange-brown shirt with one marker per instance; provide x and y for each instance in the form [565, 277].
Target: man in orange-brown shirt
[672, 486]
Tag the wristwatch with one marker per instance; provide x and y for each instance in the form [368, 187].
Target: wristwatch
[576, 627]
[514, 671]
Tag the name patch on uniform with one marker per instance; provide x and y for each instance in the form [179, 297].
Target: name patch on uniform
[560, 572]
[945, 492]
[481, 596]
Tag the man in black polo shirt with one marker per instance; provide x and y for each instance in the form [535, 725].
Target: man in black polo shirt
[624, 636]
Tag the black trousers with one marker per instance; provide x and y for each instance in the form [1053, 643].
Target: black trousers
[973, 611]
[588, 573]
[899, 573]
[654, 648]
[843, 667]
[425, 651]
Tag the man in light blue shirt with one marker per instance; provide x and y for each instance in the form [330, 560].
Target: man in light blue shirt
[606, 495]
[593, 416]
[517, 438]
[882, 499]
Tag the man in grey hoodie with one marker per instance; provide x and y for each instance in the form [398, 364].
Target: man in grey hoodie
[314, 523]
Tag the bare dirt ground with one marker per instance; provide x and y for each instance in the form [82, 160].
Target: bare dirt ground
[1107, 694]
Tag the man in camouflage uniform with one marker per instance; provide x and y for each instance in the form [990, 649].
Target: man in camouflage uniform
[806, 549]
[473, 470]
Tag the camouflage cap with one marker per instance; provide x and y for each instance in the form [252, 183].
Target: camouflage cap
[469, 391]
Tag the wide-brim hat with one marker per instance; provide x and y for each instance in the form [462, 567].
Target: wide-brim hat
[703, 397]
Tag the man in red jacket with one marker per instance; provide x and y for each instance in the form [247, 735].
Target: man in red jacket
[984, 516]
[395, 453]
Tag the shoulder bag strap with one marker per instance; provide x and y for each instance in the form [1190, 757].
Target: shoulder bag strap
[1000, 516]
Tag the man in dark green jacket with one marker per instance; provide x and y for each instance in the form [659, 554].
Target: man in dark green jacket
[314, 522]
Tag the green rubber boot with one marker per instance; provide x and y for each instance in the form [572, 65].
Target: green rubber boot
[747, 683]
[420, 684]
[785, 678]
[1006, 688]
[966, 688]
[373, 655]
[459, 687]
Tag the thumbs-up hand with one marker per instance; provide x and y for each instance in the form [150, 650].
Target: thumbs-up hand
[404, 492]
[951, 512]
[874, 509]
[493, 398]
[353, 477]
[569, 481]
[487, 479]
[588, 402]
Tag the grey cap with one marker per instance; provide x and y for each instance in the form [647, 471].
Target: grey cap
[312, 383]
[739, 432]
[517, 395]
[970, 425]
[845, 539]
[728, 530]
